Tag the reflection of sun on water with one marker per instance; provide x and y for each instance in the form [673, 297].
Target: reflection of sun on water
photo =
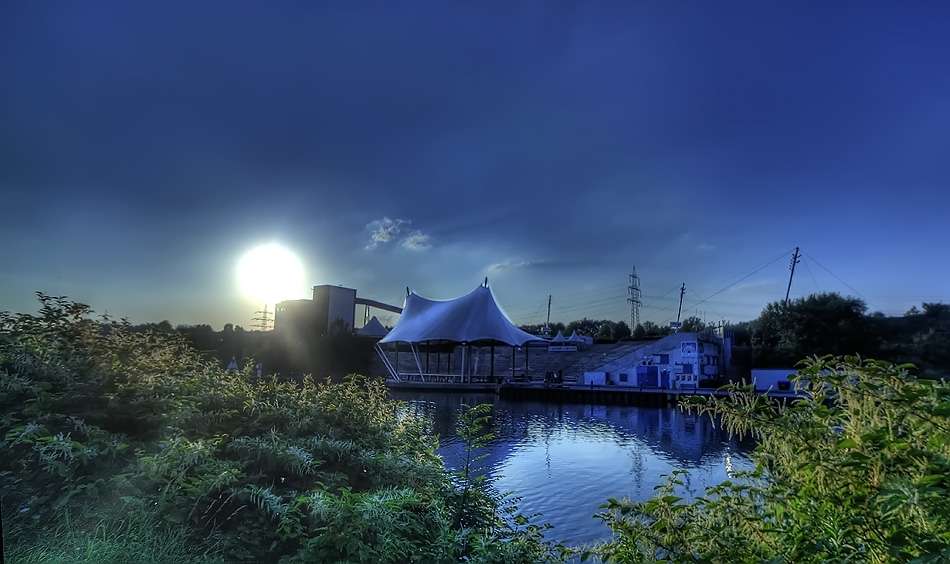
[269, 274]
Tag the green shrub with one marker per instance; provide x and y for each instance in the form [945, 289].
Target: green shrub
[111, 425]
[858, 471]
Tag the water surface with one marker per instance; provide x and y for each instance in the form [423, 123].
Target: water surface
[565, 460]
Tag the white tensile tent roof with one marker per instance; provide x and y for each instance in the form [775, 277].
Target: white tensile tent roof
[471, 318]
[373, 328]
[575, 338]
[559, 338]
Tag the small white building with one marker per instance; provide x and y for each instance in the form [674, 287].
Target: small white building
[774, 379]
[677, 361]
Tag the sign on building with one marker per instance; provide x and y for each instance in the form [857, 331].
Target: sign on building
[688, 350]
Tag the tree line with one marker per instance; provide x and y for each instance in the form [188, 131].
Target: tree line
[828, 323]
[782, 334]
[333, 354]
[818, 324]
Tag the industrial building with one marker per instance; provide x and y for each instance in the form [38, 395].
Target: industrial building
[308, 320]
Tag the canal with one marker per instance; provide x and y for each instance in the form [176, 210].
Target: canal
[564, 460]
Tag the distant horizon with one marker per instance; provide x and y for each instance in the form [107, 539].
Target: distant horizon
[389, 319]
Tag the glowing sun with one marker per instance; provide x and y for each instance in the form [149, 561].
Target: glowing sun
[269, 274]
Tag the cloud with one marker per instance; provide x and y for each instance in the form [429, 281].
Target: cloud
[417, 241]
[706, 247]
[384, 231]
[754, 285]
[508, 265]
[541, 264]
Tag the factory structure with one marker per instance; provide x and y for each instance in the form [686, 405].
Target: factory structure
[469, 340]
[305, 321]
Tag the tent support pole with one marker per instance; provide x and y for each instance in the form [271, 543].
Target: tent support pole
[473, 370]
[491, 370]
[386, 362]
[415, 355]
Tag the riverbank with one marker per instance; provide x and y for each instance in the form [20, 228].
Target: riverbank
[567, 393]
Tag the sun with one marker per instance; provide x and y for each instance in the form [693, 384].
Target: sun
[270, 273]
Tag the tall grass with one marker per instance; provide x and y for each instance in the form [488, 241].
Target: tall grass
[142, 540]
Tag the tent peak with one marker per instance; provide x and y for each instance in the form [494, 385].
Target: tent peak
[474, 317]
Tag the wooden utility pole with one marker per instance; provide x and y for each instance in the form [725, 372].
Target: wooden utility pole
[680, 309]
[795, 260]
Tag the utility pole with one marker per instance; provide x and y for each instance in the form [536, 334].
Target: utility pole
[548, 322]
[263, 320]
[796, 258]
[635, 302]
[680, 309]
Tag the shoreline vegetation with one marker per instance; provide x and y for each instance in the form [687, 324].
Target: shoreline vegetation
[123, 445]
[783, 334]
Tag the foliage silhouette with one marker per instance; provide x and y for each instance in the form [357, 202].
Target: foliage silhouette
[107, 425]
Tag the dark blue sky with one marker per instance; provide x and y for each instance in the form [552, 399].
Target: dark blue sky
[549, 146]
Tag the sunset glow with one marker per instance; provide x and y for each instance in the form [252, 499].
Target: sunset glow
[270, 273]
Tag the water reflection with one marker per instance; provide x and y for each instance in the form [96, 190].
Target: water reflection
[564, 460]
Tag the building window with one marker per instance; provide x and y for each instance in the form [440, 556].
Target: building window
[687, 369]
[623, 376]
[663, 359]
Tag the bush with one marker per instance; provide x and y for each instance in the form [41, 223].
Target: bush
[858, 471]
[109, 426]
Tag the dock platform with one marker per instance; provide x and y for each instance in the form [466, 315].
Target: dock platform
[574, 393]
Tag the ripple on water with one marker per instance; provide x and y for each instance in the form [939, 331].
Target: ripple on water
[564, 461]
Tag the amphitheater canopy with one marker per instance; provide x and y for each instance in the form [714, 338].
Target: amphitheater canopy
[474, 317]
[373, 329]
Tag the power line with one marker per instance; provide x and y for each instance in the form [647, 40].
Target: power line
[673, 289]
[840, 280]
[743, 277]
[763, 267]
[813, 279]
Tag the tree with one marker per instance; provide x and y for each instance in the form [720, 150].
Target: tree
[621, 330]
[203, 337]
[818, 324]
[855, 471]
[605, 332]
[583, 326]
[649, 329]
[537, 328]
[694, 324]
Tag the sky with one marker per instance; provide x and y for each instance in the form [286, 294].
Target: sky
[548, 146]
